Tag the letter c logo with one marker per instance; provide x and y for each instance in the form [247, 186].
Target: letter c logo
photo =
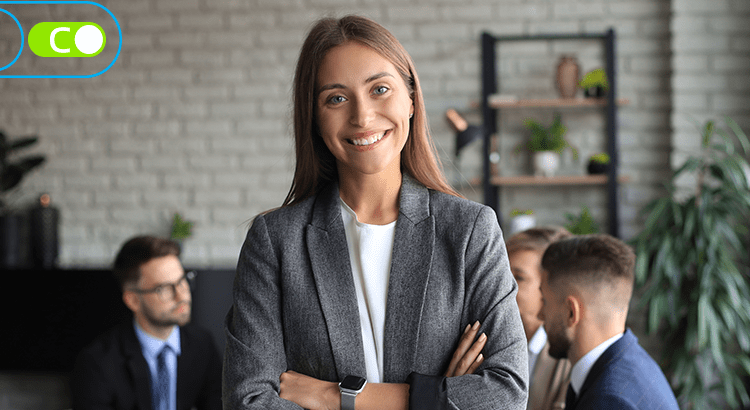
[52, 40]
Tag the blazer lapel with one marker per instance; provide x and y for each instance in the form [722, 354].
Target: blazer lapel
[612, 354]
[331, 267]
[141, 378]
[184, 369]
[410, 268]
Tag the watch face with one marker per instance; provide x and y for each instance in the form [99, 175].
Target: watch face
[353, 382]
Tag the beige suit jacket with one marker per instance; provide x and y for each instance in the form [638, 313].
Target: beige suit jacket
[550, 380]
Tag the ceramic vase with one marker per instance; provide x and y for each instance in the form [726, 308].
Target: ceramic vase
[546, 163]
[521, 223]
[568, 73]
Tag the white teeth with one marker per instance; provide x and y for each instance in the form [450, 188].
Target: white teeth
[369, 140]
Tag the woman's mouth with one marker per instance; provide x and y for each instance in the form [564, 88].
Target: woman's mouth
[369, 140]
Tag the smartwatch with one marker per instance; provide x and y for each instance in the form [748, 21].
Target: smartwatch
[350, 387]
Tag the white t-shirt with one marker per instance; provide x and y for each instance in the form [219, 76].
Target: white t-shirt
[370, 248]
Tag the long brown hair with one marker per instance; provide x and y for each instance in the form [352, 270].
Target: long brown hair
[316, 166]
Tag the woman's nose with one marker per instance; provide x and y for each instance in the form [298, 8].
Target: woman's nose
[362, 113]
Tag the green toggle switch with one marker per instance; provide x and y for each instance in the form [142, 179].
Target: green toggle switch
[67, 39]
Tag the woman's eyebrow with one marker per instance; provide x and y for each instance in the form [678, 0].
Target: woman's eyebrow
[342, 86]
[377, 76]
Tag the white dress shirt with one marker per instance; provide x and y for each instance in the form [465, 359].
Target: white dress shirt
[581, 369]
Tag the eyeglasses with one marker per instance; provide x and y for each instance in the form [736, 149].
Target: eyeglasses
[167, 291]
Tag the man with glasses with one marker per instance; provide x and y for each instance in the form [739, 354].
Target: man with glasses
[156, 361]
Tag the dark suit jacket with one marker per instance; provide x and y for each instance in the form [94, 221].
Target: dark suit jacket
[112, 374]
[625, 377]
[295, 305]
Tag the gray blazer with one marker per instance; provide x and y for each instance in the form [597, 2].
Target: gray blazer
[295, 306]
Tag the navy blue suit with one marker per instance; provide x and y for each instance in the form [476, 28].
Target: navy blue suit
[625, 377]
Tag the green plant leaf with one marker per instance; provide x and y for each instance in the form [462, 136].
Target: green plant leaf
[691, 267]
[745, 363]
[741, 137]
[181, 229]
[21, 143]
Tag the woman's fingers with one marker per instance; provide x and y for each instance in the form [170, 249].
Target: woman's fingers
[467, 352]
[467, 365]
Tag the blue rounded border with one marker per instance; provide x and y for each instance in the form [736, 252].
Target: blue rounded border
[23, 38]
[119, 31]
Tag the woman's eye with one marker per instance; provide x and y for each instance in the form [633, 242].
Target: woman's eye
[380, 90]
[336, 99]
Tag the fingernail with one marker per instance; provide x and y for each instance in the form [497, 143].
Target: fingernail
[482, 337]
[476, 325]
[480, 357]
[467, 328]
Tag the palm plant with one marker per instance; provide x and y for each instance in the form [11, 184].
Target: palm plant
[691, 263]
[12, 171]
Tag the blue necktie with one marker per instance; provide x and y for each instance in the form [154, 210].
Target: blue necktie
[161, 387]
[570, 398]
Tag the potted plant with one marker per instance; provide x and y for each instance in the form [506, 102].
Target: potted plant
[181, 228]
[581, 224]
[598, 163]
[692, 267]
[521, 220]
[595, 83]
[546, 144]
[12, 171]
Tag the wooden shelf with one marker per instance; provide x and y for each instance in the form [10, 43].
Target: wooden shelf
[554, 102]
[521, 180]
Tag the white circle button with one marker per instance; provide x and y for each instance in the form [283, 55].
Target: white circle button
[89, 39]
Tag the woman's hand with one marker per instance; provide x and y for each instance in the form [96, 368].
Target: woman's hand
[309, 392]
[468, 356]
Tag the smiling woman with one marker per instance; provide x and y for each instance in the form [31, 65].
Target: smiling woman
[373, 267]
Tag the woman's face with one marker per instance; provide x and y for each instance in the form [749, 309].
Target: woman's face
[526, 268]
[363, 109]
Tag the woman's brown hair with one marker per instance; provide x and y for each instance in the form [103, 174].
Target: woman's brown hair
[315, 165]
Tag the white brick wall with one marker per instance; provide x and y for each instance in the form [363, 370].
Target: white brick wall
[711, 70]
[194, 115]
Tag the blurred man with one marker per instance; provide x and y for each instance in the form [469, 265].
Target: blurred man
[549, 377]
[155, 361]
[586, 288]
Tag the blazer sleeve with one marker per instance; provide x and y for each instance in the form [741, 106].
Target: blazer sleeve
[90, 388]
[254, 356]
[502, 379]
[210, 395]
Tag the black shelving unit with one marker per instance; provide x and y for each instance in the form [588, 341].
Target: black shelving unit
[490, 114]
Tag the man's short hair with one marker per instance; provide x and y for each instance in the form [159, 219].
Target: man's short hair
[136, 252]
[536, 239]
[590, 260]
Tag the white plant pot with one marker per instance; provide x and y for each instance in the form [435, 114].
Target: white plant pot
[546, 163]
[521, 223]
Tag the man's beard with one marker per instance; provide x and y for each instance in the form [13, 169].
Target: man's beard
[559, 344]
[169, 318]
